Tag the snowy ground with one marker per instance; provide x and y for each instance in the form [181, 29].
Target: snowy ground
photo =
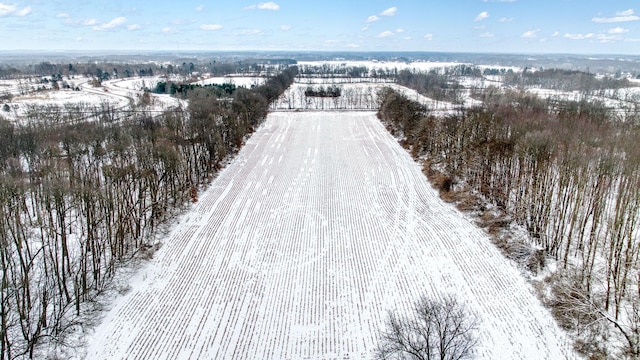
[622, 102]
[118, 93]
[88, 96]
[320, 225]
[359, 96]
[133, 88]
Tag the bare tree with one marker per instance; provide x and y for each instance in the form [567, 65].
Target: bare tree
[443, 330]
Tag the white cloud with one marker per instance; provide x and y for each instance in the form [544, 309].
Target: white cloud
[211, 27]
[579, 36]
[117, 22]
[621, 16]
[169, 30]
[200, 8]
[24, 12]
[399, 31]
[531, 34]
[181, 22]
[606, 38]
[365, 28]
[63, 16]
[372, 18]
[390, 11]
[505, 20]
[134, 27]
[483, 15]
[385, 34]
[285, 27]
[264, 6]
[429, 37]
[12, 10]
[252, 32]
[352, 46]
[90, 22]
[6, 9]
[486, 35]
[407, 38]
[269, 6]
[618, 30]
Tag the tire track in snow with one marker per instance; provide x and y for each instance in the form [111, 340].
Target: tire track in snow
[302, 244]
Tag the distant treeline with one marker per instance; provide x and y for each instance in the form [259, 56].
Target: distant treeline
[183, 89]
[329, 91]
[109, 70]
[439, 86]
[565, 80]
[327, 70]
[77, 200]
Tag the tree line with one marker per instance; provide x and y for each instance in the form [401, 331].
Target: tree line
[437, 85]
[182, 89]
[104, 70]
[329, 91]
[77, 200]
[565, 80]
[570, 176]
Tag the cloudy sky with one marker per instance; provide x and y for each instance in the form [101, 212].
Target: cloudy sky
[522, 26]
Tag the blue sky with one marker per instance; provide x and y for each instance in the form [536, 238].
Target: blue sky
[521, 26]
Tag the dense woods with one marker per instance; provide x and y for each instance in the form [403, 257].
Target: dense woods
[182, 89]
[106, 70]
[331, 72]
[566, 80]
[436, 85]
[78, 199]
[569, 175]
[330, 91]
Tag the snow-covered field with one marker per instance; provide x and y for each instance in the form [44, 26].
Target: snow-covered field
[298, 249]
[117, 93]
[141, 83]
[31, 100]
[133, 88]
[622, 102]
[359, 96]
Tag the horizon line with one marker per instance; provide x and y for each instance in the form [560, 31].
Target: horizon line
[115, 51]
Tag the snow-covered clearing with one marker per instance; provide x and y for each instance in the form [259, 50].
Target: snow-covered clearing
[610, 96]
[87, 98]
[298, 249]
[139, 84]
[117, 93]
[133, 88]
[359, 96]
